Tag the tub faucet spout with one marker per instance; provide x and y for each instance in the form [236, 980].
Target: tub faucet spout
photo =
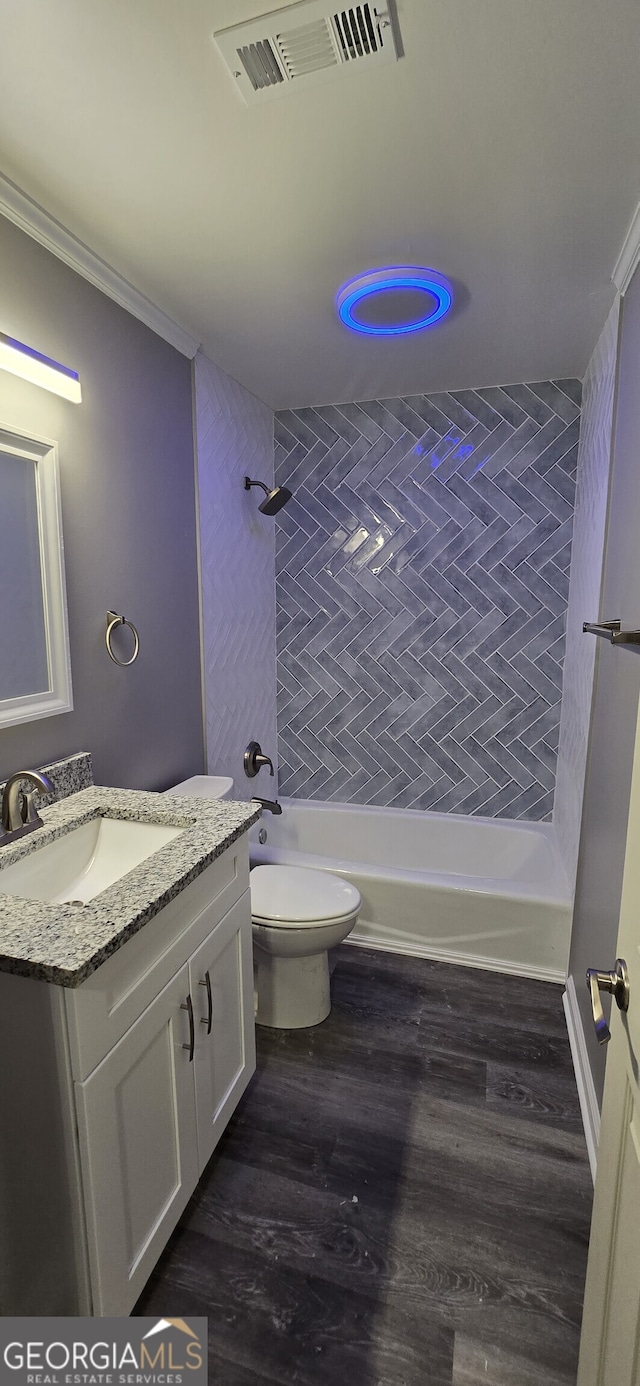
[269, 804]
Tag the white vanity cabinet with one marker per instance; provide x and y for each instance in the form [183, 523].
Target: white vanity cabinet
[139, 1150]
[152, 1112]
[152, 1053]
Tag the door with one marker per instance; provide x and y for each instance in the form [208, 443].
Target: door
[221, 974]
[616, 694]
[610, 1344]
[138, 1144]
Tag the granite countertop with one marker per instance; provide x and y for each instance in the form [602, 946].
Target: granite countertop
[64, 944]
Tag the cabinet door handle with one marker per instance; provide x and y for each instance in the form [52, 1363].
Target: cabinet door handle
[207, 983]
[188, 1006]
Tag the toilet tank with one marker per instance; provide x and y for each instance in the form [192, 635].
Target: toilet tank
[204, 787]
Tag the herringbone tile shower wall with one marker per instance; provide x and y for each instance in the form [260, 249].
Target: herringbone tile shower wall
[422, 581]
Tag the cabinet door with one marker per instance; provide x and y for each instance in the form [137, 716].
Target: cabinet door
[100, 1011]
[138, 1144]
[225, 1026]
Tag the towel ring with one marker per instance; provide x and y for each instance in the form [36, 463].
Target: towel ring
[114, 620]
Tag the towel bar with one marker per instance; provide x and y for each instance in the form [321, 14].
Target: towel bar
[610, 630]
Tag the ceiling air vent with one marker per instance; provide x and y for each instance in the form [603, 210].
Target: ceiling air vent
[306, 42]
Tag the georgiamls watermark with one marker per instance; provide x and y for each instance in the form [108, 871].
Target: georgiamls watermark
[103, 1352]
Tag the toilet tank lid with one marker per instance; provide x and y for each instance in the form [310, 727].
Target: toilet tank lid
[298, 894]
[204, 787]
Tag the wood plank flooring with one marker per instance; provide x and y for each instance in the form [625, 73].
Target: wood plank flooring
[402, 1198]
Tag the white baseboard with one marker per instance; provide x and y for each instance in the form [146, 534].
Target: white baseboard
[589, 1108]
[424, 950]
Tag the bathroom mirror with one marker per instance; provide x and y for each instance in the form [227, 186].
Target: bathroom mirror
[35, 668]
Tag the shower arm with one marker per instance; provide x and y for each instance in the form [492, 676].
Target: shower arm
[248, 483]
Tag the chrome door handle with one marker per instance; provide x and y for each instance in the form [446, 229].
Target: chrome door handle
[188, 1006]
[617, 983]
[207, 983]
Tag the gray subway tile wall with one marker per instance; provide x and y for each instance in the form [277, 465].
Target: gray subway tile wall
[422, 584]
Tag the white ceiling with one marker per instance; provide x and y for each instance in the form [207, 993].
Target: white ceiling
[502, 150]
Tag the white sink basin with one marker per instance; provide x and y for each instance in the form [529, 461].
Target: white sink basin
[85, 861]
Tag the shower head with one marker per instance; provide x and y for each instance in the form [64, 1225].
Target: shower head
[274, 499]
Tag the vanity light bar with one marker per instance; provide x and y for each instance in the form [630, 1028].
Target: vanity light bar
[40, 370]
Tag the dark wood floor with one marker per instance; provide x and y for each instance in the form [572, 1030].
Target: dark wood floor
[403, 1197]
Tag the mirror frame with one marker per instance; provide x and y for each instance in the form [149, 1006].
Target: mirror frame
[58, 697]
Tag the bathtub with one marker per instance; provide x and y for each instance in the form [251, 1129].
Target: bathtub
[482, 891]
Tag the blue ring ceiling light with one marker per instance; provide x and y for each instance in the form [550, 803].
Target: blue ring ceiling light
[426, 281]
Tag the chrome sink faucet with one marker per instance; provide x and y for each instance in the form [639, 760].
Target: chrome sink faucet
[19, 813]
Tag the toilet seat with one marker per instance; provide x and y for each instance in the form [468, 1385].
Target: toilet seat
[299, 897]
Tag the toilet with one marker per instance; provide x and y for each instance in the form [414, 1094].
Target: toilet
[297, 915]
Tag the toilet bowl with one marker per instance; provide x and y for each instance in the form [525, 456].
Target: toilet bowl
[297, 914]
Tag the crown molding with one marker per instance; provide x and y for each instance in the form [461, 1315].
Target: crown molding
[19, 208]
[629, 257]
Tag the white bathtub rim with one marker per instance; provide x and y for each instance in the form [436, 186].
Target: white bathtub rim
[558, 893]
[464, 885]
[522, 825]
